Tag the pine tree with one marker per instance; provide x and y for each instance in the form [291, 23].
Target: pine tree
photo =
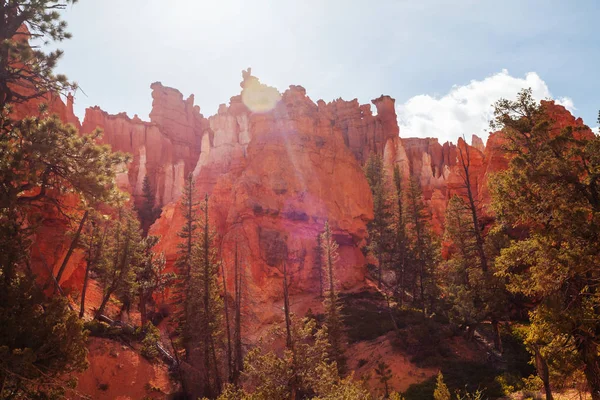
[400, 248]
[238, 365]
[125, 253]
[202, 331]
[151, 276]
[423, 249]
[380, 233]
[27, 72]
[270, 376]
[147, 212]
[441, 391]
[318, 264]
[332, 306]
[384, 373]
[475, 294]
[94, 241]
[42, 342]
[189, 206]
[551, 192]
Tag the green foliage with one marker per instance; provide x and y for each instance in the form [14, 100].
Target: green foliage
[474, 294]
[331, 303]
[307, 369]
[381, 235]
[201, 317]
[551, 191]
[441, 391]
[423, 247]
[27, 72]
[150, 341]
[466, 395]
[384, 374]
[123, 256]
[41, 342]
[52, 156]
[147, 212]
[151, 277]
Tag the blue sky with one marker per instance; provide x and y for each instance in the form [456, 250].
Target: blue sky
[443, 61]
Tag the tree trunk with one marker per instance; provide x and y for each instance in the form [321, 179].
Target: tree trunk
[84, 290]
[227, 325]
[71, 247]
[143, 310]
[239, 359]
[542, 369]
[288, 328]
[497, 337]
[588, 351]
[104, 302]
[379, 258]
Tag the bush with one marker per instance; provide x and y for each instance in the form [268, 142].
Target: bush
[102, 329]
[149, 343]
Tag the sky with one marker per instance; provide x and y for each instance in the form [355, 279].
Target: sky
[444, 61]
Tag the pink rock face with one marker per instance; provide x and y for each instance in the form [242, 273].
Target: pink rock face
[364, 133]
[274, 178]
[165, 150]
[276, 167]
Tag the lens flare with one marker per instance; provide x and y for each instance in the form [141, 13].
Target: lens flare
[259, 98]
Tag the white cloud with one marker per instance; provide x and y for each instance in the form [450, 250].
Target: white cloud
[467, 109]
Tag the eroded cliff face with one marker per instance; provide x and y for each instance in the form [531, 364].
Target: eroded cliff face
[276, 167]
[165, 149]
[274, 178]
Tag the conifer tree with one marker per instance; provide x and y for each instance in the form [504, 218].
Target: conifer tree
[551, 191]
[151, 276]
[238, 362]
[384, 372]
[333, 309]
[380, 233]
[318, 264]
[202, 330]
[400, 247]
[270, 376]
[422, 246]
[474, 293]
[190, 209]
[189, 206]
[27, 72]
[125, 253]
[441, 391]
[147, 212]
[94, 241]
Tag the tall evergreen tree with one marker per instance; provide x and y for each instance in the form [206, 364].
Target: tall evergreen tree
[475, 293]
[147, 212]
[400, 256]
[202, 330]
[94, 241]
[423, 248]
[238, 362]
[125, 255]
[151, 276]
[333, 309]
[551, 191]
[318, 265]
[380, 232]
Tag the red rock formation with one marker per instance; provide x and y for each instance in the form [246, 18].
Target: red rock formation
[165, 149]
[275, 177]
